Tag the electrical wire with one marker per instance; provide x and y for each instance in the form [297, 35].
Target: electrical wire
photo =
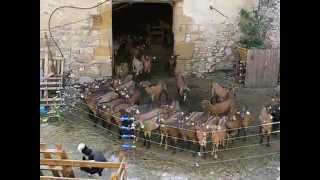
[71, 7]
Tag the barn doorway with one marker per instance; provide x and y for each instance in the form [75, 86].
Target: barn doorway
[143, 24]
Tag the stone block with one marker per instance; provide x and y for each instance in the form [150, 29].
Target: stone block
[185, 50]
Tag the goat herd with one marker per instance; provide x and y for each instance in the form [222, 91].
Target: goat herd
[131, 56]
[219, 122]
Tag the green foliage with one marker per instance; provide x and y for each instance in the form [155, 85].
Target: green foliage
[252, 28]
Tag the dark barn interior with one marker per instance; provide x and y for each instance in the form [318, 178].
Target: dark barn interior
[143, 29]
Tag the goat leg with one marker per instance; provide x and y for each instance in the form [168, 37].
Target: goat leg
[212, 149]
[238, 132]
[174, 146]
[261, 135]
[161, 139]
[204, 152]
[268, 140]
[216, 146]
[245, 134]
[149, 140]
[145, 140]
[166, 141]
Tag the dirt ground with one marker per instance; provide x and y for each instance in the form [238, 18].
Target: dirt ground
[250, 161]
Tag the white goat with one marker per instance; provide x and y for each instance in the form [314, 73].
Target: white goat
[137, 66]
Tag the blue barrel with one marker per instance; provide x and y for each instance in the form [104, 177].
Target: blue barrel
[127, 146]
[43, 110]
[127, 136]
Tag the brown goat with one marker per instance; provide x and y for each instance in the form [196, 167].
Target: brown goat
[219, 135]
[146, 64]
[108, 97]
[219, 108]
[167, 128]
[217, 89]
[182, 87]
[155, 91]
[135, 97]
[266, 125]
[172, 64]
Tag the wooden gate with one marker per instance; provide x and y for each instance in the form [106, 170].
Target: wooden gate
[262, 68]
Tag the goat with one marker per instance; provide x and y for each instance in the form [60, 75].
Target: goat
[148, 122]
[173, 117]
[172, 64]
[137, 66]
[219, 93]
[155, 91]
[274, 110]
[266, 125]
[108, 97]
[146, 65]
[189, 129]
[219, 108]
[182, 87]
[219, 135]
[246, 120]
[135, 97]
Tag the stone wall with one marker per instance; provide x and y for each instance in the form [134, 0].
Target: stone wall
[72, 29]
[270, 9]
[207, 31]
[201, 33]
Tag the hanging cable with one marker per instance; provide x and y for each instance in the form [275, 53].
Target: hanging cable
[71, 7]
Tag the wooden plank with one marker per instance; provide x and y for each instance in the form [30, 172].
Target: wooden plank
[53, 104]
[48, 156]
[51, 88]
[54, 78]
[79, 163]
[67, 171]
[52, 151]
[114, 176]
[262, 68]
[50, 99]
[50, 83]
[60, 178]
[47, 168]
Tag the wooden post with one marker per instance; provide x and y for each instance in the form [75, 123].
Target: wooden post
[44, 147]
[67, 171]
[46, 56]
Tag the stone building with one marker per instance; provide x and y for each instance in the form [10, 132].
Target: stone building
[202, 29]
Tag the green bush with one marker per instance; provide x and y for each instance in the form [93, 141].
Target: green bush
[252, 28]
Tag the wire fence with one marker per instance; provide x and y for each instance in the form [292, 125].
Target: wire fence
[176, 147]
[184, 161]
[167, 136]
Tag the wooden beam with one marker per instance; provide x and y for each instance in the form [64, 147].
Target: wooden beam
[47, 168]
[44, 147]
[79, 163]
[60, 178]
[52, 151]
[51, 88]
[67, 171]
[50, 83]
[50, 99]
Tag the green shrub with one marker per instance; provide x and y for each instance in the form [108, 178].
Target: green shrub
[252, 28]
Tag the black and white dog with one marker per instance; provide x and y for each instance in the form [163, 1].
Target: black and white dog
[89, 154]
